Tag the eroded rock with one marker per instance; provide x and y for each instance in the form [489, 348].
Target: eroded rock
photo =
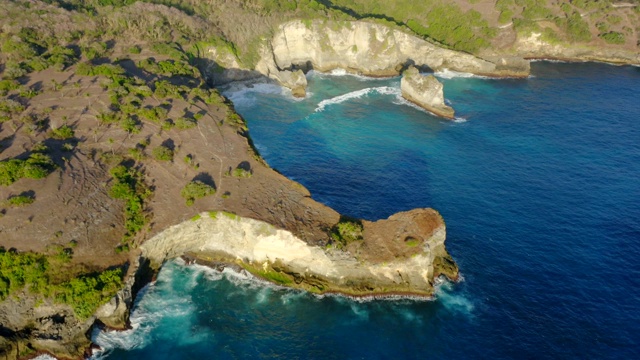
[425, 91]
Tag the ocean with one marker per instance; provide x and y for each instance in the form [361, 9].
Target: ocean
[538, 180]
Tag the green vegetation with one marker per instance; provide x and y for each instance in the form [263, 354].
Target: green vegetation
[168, 67]
[411, 242]
[196, 217]
[242, 173]
[195, 190]
[577, 29]
[129, 186]
[20, 200]
[346, 231]
[37, 166]
[230, 215]
[613, 37]
[184, 123]
[162, 153]
[62, 133]
[46, 275]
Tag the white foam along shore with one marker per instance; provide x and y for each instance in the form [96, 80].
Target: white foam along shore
[150, 307]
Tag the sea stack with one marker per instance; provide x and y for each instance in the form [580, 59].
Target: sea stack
[294, 80]
[425, 91]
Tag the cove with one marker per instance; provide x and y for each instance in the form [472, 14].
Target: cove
[537, 181]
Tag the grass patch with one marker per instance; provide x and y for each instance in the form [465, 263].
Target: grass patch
[230, 215]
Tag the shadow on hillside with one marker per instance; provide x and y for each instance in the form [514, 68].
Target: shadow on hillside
[206, 179]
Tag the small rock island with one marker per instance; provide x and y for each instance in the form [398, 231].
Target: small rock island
[425, 91]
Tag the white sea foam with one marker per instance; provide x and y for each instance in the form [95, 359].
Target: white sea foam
[44, 357]
[340, 73]
[243, 93]
[383, 90]
[451, 300]
[450, 74]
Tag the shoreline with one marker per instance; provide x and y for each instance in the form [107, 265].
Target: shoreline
[220, 266]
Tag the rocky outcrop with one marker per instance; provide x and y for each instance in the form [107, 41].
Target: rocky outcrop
[425, 91]
[294, 80]
[396, 255]
[370, 49]
[534, 47]
[115, 313]
[26, 322]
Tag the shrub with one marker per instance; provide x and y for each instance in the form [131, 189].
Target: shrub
[613, 37]
[346, 231]
[63, 132]
[136, 49]
[129, 186]
[42, 274]
[195, 190]
[37, 166]
[185, 123]
[242, 173]
[130, 125]
[20, 200]
[162, 153]
[156, 114]
[8, 85]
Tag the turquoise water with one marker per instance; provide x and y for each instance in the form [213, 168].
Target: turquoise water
[538, 180]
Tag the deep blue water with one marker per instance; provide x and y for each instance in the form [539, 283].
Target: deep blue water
[538, 181]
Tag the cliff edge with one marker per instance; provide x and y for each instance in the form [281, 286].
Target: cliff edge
[369, 49]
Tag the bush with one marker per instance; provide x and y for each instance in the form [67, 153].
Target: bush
[156, 114]
[346, 231]
[63, 132]
[37, 166]
[185, 123]
[195, 190]
[613, 37]
[42, 274]
[20, 200]
[162, 153]
[129, 186]
[577, 28]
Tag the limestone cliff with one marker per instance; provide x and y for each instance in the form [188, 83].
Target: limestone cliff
[425, 91]
[535, 47]
[402, 254]
[370, 49]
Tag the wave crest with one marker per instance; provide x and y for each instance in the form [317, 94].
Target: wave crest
[382, 90]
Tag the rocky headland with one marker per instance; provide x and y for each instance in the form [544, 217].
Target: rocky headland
[81, 126]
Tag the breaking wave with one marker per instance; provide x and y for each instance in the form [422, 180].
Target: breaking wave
[382, 90]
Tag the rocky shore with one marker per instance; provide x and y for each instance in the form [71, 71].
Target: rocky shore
[368, 49]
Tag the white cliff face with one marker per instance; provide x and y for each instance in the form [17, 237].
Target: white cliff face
[534, 46]
[425, 91]
[370, 49]
[258, 243]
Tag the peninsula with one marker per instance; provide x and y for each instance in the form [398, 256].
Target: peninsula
[117, 152]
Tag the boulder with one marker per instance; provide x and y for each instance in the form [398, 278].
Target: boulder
[425, 91]
[294, 80]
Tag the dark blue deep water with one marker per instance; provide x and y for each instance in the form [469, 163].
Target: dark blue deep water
[538, 181]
